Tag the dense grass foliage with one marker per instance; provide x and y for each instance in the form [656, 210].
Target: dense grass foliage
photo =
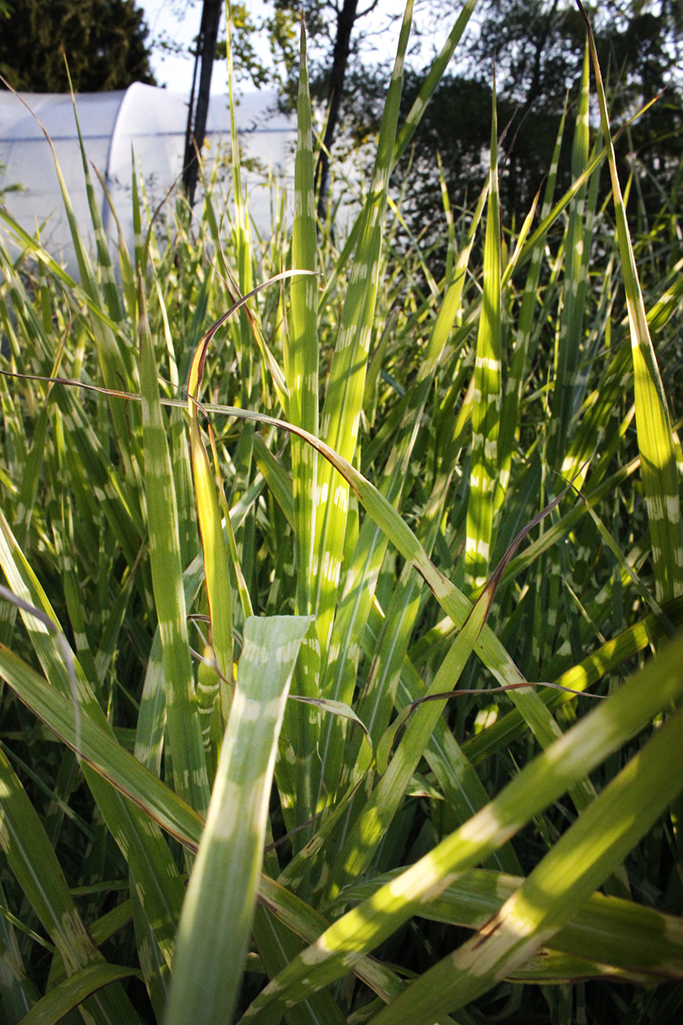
[340, 660]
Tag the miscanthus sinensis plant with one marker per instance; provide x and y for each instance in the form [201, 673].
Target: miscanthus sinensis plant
[339, 667]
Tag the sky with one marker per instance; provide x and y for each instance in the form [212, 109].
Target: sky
[177, 22]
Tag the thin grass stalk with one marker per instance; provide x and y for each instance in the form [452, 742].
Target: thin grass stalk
[344, 397]
[655, 441]
[19, 994]
[184, 729]
[514, 385]
[214, 549]
[570, 338]
[301, 342]
[487, 397]
[300, 351]
[381, 806]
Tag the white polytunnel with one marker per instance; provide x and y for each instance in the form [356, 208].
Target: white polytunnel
[143, 119]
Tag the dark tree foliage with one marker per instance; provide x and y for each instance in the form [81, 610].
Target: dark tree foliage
[536, 50]
[104, 42]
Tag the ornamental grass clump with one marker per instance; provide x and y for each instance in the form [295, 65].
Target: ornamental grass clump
[340, 657]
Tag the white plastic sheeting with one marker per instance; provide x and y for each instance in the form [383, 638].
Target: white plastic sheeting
[143, 119]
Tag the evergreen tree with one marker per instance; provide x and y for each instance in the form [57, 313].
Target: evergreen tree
[104, 42]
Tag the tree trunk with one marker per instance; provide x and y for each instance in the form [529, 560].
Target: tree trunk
[196, 119]
[346, 18]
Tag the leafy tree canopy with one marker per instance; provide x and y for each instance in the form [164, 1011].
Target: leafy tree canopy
[104, 42]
